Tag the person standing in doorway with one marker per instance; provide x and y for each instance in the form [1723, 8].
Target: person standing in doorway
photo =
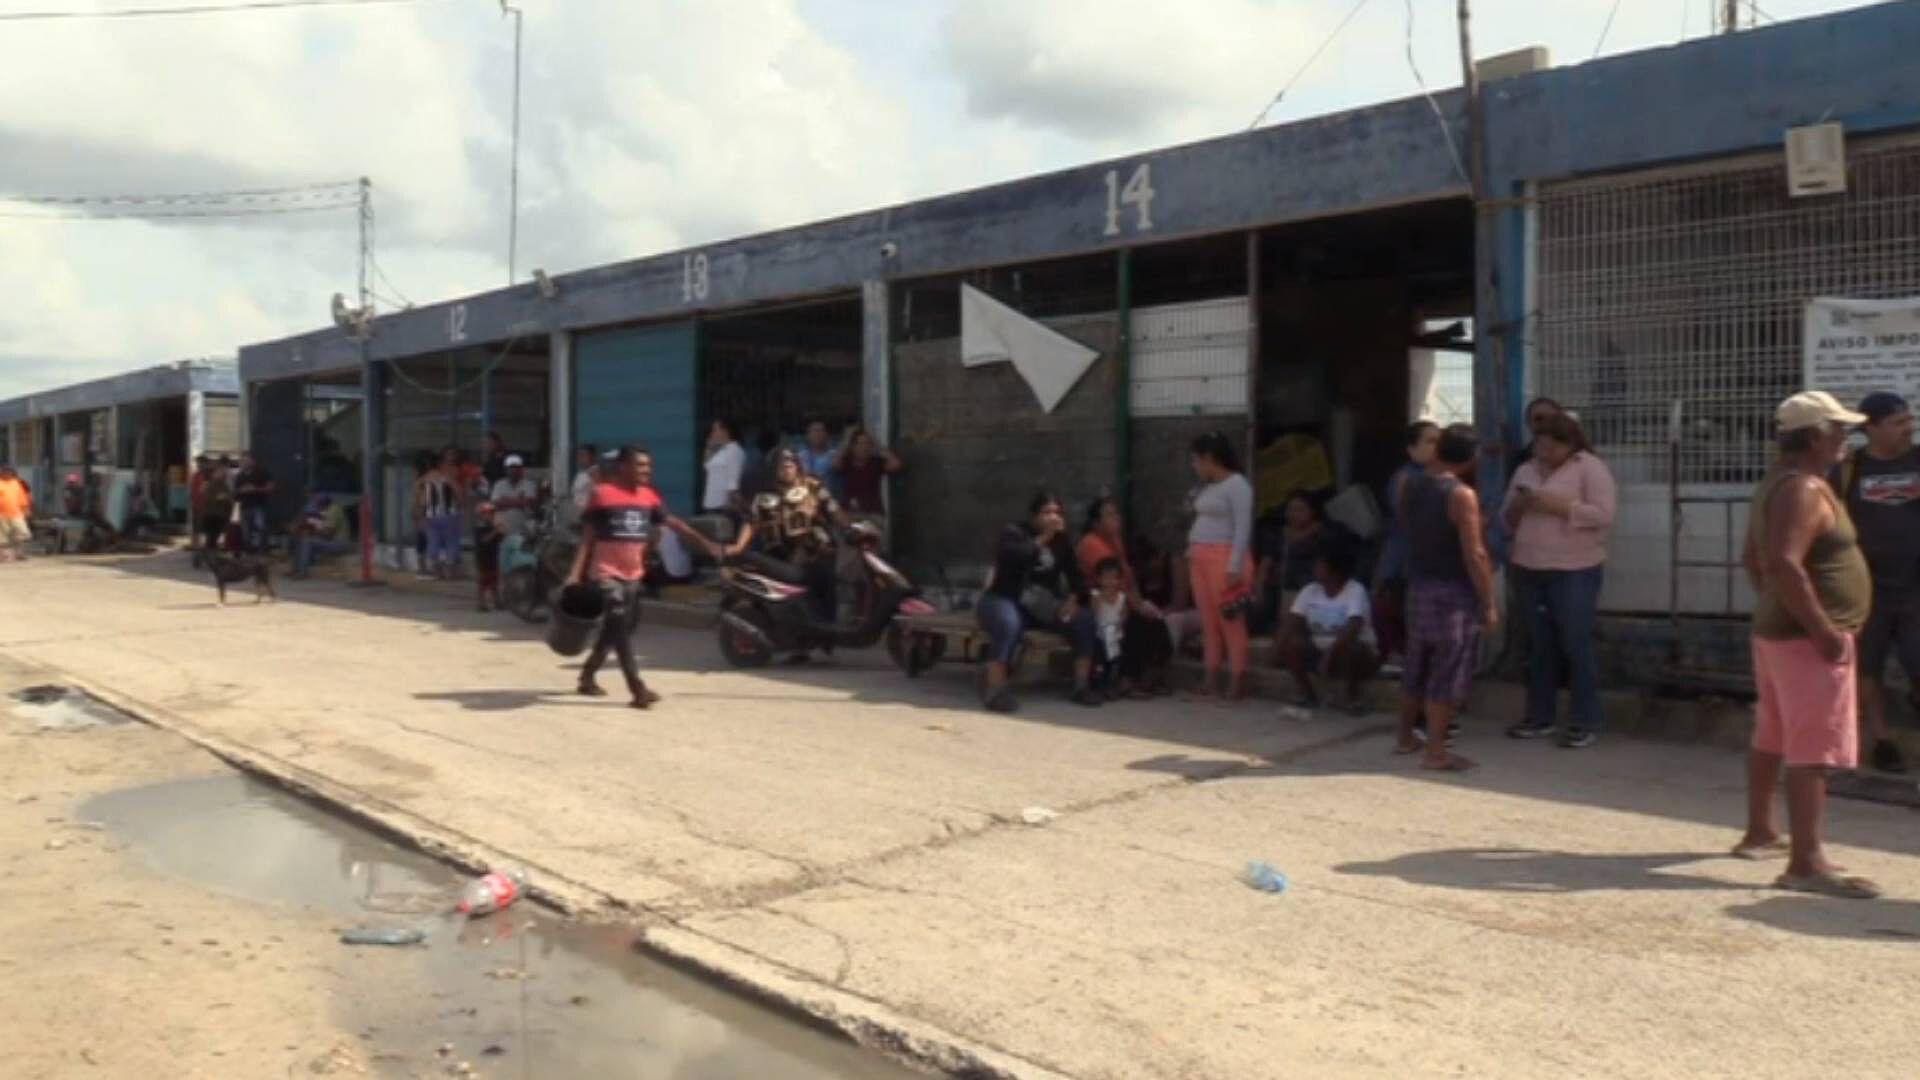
[623, 516]
[1450, 597]
[439, 509]
[818, 455]
[514, 497]
[254, 489]
[586, 466]
[494, 468]
[1560, 511]
[197, 498]
[726, 463]
[863, 468]
[1218, 559]
[1814, 593]
[216, 505]
[1881, 487]
[16, 511]
[1390, 578]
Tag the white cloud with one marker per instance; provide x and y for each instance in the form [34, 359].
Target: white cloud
[648, 124]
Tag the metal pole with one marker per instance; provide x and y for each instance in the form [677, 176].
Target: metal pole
[366, 242]
[1730, 20]
[513, 173]
[1489, 392]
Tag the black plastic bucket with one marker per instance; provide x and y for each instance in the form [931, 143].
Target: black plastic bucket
[576, 619]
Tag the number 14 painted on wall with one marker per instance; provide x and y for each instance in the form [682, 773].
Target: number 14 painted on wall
[1137, 193]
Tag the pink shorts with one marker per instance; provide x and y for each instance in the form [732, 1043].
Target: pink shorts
[1806, 710]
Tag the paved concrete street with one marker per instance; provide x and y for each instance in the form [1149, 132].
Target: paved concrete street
[853, 841]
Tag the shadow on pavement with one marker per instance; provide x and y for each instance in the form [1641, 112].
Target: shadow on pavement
[1529, 871]
[504, 700]
[1860, 920]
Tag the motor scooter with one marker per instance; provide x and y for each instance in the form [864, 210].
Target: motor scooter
[533, 566]
[761, 615]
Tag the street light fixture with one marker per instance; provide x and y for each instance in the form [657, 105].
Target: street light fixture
[513, 176]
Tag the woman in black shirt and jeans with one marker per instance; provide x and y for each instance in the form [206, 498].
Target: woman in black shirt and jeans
[1034, 567]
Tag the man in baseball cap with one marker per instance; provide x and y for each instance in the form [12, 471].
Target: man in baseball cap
[514, 496]
[1880, 485]
[1814, 594]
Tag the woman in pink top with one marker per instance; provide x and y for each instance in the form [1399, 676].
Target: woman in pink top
[1560, 510]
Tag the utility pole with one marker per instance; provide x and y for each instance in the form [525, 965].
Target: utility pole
[1730, 18]
[1490, 379]
[366, 244]
[513, 175]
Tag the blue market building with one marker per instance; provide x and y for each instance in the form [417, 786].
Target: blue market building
[1306, 279]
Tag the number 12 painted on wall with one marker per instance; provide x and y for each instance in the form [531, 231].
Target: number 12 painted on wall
[1137, 193]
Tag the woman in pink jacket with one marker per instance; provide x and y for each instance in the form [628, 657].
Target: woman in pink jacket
[1560, 511]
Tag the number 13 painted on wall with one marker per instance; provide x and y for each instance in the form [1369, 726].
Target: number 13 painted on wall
[1137, 193]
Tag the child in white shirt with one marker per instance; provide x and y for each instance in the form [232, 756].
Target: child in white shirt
[1329, 632]
[1110, 620]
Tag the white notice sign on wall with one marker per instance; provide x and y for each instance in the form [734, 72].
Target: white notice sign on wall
[1855, 347]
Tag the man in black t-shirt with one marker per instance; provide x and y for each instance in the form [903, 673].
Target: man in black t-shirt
[1881, 484]
[253, 490]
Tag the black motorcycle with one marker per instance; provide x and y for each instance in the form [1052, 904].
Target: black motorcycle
[761, 615]
[534, 565]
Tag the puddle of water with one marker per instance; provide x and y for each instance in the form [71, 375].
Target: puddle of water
[62, 708]
[555, 998]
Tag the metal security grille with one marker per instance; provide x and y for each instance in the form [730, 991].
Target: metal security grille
[1690, 285]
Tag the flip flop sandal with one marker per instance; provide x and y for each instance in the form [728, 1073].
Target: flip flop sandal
[1450, 763]
[1772, 849]
[1414, 749]
[1839, 886]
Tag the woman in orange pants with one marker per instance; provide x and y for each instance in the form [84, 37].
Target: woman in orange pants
[1218, 554]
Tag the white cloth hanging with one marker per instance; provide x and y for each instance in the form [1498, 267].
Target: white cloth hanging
[993, 333]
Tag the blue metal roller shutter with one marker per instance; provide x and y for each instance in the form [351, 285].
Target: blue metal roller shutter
[640, 386]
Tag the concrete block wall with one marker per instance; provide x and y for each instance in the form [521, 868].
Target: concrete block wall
[976, 446]
[1163, 476]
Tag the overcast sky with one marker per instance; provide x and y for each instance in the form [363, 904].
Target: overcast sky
[647, 125]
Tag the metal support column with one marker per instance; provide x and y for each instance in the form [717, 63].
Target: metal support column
[1253, 353]
[560, 405]
[876, 359]
[1123, 390]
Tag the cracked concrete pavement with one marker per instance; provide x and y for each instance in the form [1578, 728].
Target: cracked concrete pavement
[850, 841]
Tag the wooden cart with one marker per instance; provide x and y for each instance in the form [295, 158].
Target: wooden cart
[917, 642]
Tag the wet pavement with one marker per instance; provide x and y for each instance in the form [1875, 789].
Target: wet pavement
[61, 708]
[523, 992]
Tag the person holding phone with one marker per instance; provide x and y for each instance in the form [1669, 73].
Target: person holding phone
[1559, 511]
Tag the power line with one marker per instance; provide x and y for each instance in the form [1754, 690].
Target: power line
[1446, 129]
[158, 215]
[188, 9]
[1324, 46]
[292, 193]
[1607, 29]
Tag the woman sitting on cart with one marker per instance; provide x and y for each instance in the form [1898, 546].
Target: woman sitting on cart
[794, 524]
[1036, 583]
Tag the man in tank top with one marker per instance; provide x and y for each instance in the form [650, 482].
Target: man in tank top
[1450, 596]
[1814, 594]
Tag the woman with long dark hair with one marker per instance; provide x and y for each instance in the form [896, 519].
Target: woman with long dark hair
[1036, 582]
[1145, 645]
[1218, 558]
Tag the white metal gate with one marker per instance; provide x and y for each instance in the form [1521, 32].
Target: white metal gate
[1689, 285]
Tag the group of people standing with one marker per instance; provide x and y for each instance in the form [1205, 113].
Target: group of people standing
[853, 470]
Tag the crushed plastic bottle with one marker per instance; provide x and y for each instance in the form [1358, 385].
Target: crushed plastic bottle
[1262, 876]
[486, 895]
